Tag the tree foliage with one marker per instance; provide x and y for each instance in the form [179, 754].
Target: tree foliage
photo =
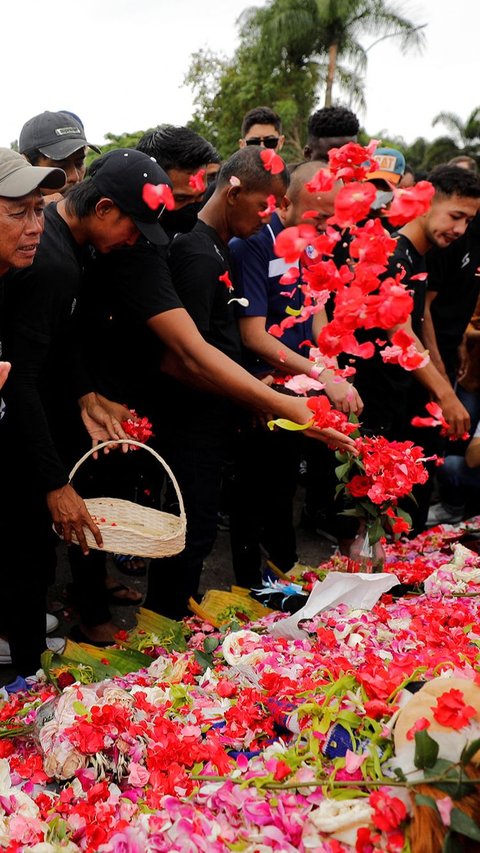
[466, 134]
[225, 89]
[283, 59]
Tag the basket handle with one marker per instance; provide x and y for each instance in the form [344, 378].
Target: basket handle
[140, 444]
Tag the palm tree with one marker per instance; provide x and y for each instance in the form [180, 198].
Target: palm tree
[307, 29]
[344, 22]
[465, 133]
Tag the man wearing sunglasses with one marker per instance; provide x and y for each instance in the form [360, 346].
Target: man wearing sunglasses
[261, 126]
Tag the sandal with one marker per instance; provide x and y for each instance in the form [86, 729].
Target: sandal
[131, 565]
[123, 600]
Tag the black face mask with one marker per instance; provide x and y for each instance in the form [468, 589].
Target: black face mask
[180, 221]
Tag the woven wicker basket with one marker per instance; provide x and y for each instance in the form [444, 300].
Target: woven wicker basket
[128, 528]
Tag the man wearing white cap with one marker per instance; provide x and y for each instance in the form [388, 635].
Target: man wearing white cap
[107, 211]
[21, 215]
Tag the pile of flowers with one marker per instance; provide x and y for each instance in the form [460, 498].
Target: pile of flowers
[242, 740]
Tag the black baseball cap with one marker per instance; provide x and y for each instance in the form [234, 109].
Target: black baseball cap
[121, 176]
[55, 135]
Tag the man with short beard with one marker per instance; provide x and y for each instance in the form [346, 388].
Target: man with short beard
[390, 393]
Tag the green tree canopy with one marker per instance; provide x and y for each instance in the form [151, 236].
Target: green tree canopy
[287, 50]
[465, 134]
[313, 30]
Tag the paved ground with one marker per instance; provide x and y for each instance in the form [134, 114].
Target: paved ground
[217, 574]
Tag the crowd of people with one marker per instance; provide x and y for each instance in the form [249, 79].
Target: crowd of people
[108, 308]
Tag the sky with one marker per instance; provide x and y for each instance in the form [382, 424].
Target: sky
[120, 64]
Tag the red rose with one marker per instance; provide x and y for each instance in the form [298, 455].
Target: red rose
[359, 486]
[451, 710]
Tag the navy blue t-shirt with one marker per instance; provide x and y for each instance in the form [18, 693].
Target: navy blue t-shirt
[258, 271]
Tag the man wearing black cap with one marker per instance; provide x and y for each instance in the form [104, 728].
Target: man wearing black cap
[106, 211]
[56, 139]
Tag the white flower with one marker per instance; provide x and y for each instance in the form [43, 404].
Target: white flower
[242, 647]
[339, 818]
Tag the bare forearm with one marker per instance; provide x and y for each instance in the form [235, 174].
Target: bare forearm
[430, 340]
[273, 351]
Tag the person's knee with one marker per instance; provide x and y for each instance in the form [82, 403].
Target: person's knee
[455, 472]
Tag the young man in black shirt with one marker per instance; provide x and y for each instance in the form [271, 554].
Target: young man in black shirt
[106, 211]
[385, 388]
[182, 153]
[329, 127]
[196, 426]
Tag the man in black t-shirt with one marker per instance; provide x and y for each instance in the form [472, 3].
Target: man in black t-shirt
[453, 288]
[136, 326]
[21, 218]
[106, 211]
[195, 425]
[185, 156]
[329, 127]
[385, 388]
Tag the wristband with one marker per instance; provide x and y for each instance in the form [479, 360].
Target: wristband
[315, 371]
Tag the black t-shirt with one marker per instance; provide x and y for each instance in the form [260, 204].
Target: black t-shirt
[121, 291]
[197, 260]
[39, 340]
[384, 387]
[452, 273]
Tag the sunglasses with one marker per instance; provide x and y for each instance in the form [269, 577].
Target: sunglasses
[268, 141]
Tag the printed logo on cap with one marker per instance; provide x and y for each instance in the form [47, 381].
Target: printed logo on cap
[386, 162]
[65, 131]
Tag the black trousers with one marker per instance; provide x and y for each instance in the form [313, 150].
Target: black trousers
[197, 464]
[266, 469]
[28, 560]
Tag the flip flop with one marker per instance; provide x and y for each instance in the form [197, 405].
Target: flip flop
[119, 601]
[121, 561]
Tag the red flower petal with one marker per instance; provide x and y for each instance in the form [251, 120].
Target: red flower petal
[272, 162]
[156, 195]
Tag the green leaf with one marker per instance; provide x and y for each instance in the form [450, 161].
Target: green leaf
[422, 800]
[451, 844]
[342, 470]
[375, 531]
[405, 515]
[454, 783]
[80, 709]
[357, 512]
[283, 423]
[464, 824]
[210, 644]
[426, 750]
[399, 774]
[203, 660]
[346, 793]
[469, 751]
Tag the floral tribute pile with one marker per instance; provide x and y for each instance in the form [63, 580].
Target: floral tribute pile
[241, 741]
